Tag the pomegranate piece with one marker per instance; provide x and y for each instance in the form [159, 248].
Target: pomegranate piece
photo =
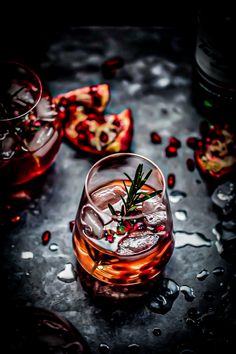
[100, 135]
[215, 155]
[94, 97]
[155, 138]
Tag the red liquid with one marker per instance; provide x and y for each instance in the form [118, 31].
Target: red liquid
[122, 252]
[29, 143]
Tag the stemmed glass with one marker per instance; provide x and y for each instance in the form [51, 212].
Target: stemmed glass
[123, 230]
[30, 133]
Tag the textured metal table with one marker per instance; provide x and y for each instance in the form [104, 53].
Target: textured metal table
[155, 83]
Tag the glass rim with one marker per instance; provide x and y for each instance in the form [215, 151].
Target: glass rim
[121, 154]
[32, 72]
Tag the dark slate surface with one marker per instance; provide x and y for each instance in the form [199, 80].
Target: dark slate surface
[156, 84]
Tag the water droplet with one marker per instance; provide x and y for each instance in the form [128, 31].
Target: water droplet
[156, 332]
[181, 215]
[188, 293]
[202, 275]
[218, 271]
[134, 348]
[103, 348]
[27, 255]
[162, 298]
[46, 237]
[176, 196]
[195, 239]
[68, 274]
[36, 212]
[53, 247]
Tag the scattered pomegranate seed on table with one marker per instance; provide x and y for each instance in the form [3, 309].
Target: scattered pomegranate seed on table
[155, 138]
[173, 141]
[171, 180]
[110, 66]
[46, 236]
[190, 164]
[171, 151]
[192, 142]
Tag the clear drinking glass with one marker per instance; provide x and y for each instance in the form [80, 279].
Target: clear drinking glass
[115, 240]
[30, 133]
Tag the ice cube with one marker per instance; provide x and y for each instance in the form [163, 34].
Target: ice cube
[137, 242]
[92, 222]
[8, 147]
[224, 197]
[154, 211]
[105, 195]
[40, 138]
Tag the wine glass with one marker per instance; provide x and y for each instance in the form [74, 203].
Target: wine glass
[123, 234]
[30, 133]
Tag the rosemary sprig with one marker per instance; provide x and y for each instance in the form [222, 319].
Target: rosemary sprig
[134, 194]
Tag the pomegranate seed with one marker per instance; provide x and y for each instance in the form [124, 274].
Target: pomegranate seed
[171, 180]
[208, 140]
[104, 137]
[63, 102]
[116, 122]
[155, 138]
[139, 226]
[173, 141]
[160, 228]
[192, 142]
[110, 238]
[61, 115]
[71, 225]
[190, 164]
[46, 237]
[93, 88]
[110, 66]
[37, 124]
[72, 108]
[171, 151]
[15, 219]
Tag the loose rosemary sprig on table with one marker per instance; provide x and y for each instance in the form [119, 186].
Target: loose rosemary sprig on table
[134, 194]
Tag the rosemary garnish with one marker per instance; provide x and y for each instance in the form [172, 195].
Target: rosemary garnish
[135, 195]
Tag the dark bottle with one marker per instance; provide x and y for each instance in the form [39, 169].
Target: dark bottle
[214, 69]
